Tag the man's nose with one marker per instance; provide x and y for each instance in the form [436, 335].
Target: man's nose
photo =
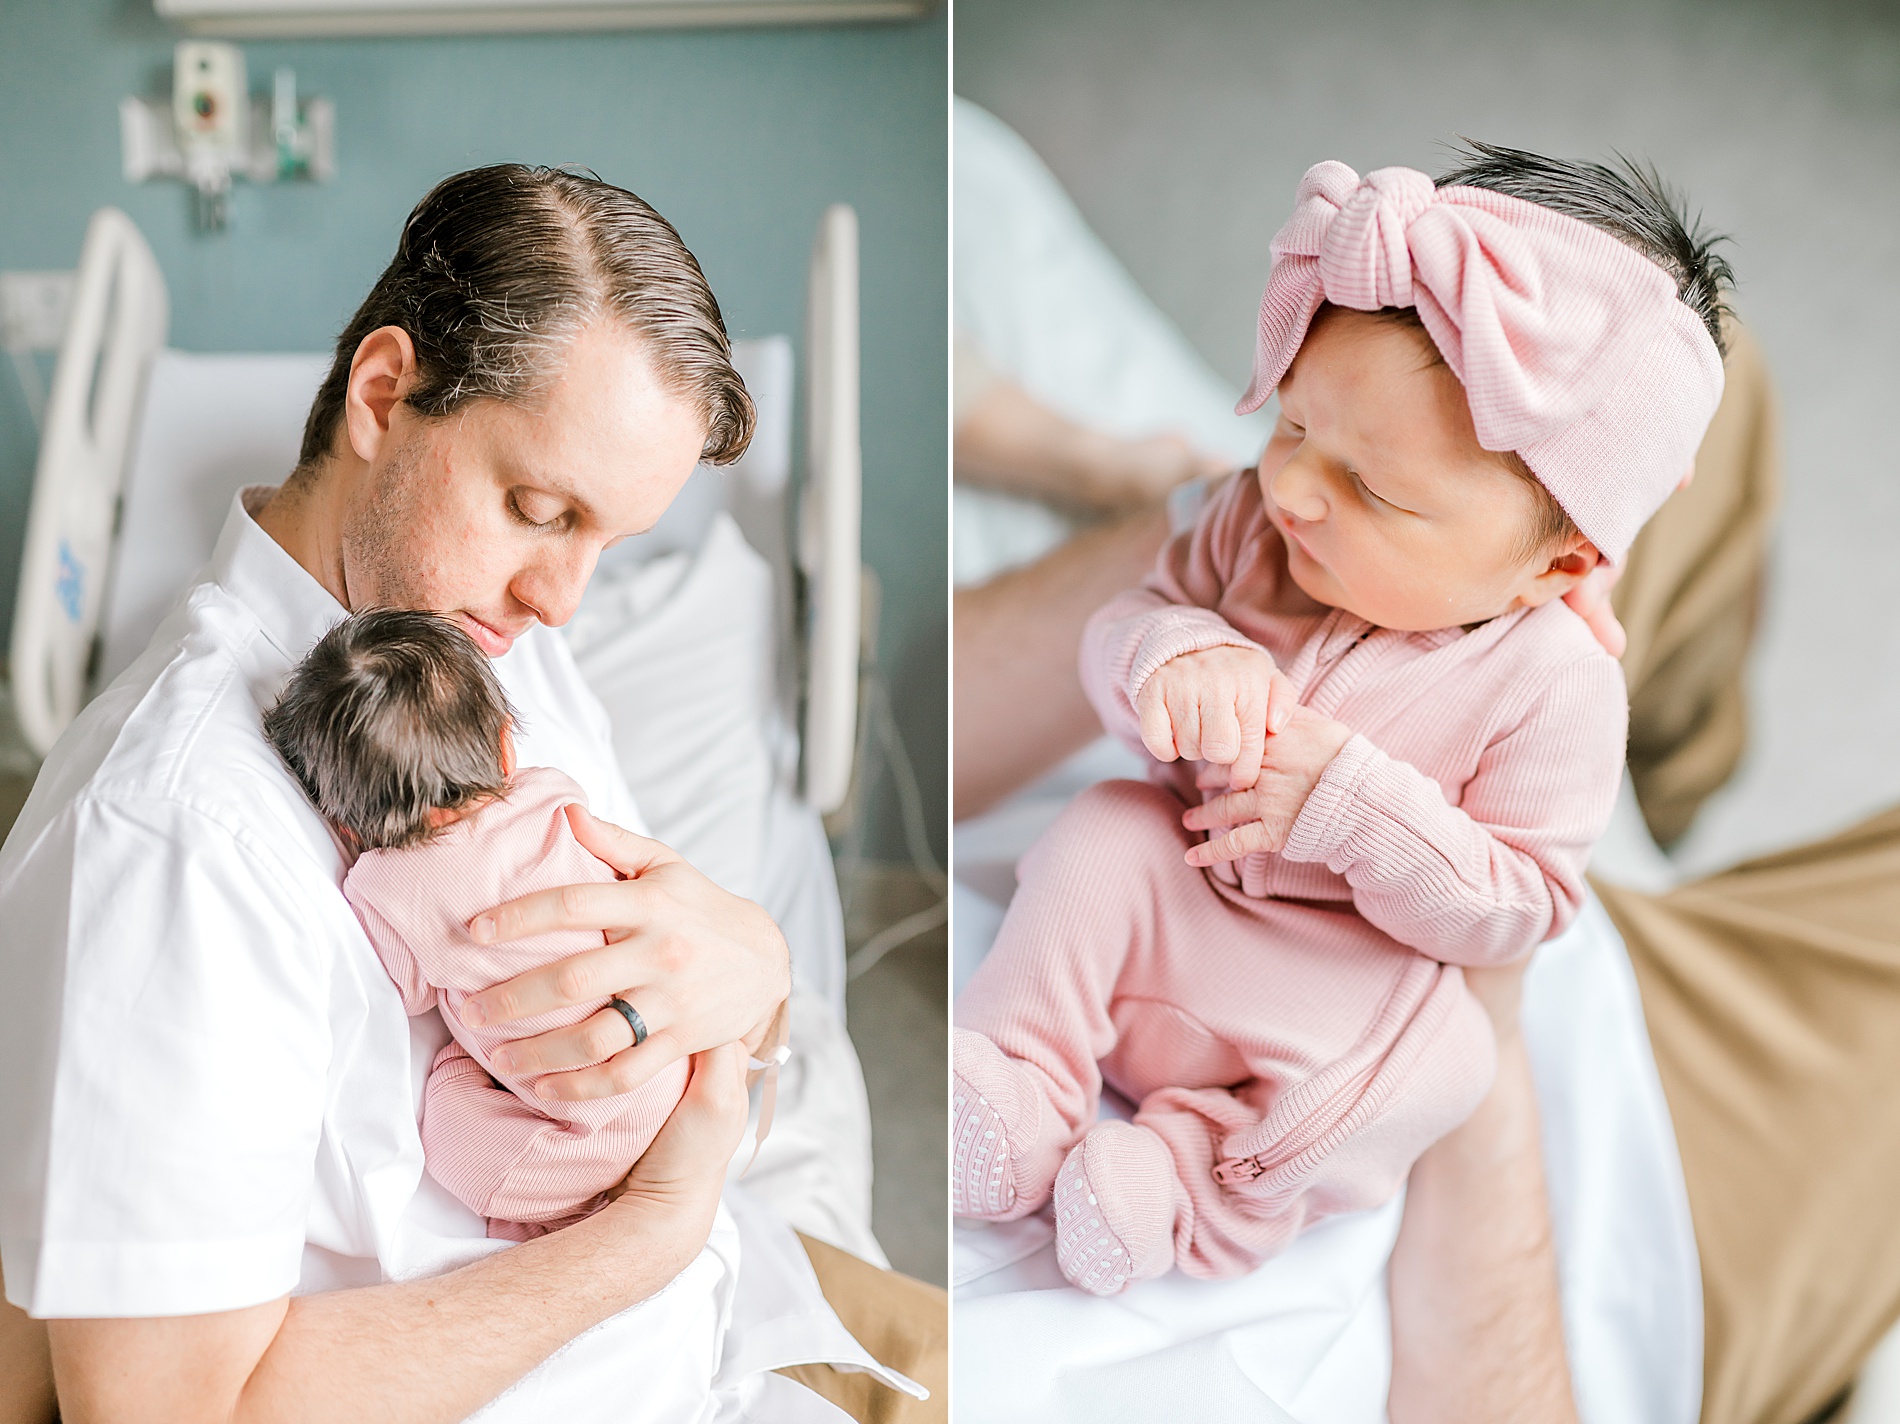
[552, 586]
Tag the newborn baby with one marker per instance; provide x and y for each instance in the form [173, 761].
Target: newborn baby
[400, 733]
[1384, 744]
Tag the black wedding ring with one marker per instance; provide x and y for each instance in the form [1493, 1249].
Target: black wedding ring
[634, 1021]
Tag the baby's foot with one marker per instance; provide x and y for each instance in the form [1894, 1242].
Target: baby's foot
[996, 1115]
[1116, 1200]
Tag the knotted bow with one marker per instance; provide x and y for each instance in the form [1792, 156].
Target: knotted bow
[1574, 349]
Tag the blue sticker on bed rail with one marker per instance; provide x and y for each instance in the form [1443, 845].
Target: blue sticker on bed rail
[72, 582]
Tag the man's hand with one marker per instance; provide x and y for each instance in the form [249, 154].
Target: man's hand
[1262, 817]
[683, 1171]
[702, 966]
[1218, 705]
[1591, 600]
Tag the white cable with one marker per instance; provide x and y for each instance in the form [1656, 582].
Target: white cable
[910, 798]
[877, 719]
[888, 939]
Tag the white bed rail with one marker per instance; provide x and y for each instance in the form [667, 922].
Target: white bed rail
[830, 513]
[118, 324]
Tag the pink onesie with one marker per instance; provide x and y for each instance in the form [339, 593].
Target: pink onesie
[527, 1164]
[1295, 1020]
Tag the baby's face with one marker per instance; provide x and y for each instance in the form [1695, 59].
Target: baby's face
[1390, 507]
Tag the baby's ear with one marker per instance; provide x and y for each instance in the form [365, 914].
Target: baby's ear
[1576, 559]
[1572, 562]
[508, 748]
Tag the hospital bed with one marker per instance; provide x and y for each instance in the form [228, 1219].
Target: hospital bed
[724, 643]
[1306, 1337]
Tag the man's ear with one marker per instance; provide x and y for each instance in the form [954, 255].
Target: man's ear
[1569, 565]
[383, 371]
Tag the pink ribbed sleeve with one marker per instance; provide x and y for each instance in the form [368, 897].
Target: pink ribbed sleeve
[1490, 879]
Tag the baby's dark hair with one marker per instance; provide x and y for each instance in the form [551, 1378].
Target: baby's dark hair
[1631, 203]
[1628, 200]
[392, 715]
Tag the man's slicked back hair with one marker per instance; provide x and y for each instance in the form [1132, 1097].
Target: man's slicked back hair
[1629, 201]
[499, 268]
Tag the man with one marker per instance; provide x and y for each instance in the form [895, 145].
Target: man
[212, 1180]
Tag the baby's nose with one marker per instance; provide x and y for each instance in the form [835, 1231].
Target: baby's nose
[1298, 493]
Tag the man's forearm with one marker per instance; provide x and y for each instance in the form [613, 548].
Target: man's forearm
[420, 1352]
[1020, 708]
[1477, 1328]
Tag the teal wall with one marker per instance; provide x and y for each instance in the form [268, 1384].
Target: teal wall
[741, 137]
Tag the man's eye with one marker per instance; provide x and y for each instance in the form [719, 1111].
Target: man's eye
[516, 508]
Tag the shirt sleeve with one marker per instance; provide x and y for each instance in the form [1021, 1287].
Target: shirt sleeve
[166, 1104]
[1170, 615]
[1487, 880]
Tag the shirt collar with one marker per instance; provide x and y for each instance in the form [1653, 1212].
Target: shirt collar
[291, 607]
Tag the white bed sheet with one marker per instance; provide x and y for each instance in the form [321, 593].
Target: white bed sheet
[1307, 1334]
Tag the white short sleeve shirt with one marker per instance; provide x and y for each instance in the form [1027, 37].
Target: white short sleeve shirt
[212, 1085]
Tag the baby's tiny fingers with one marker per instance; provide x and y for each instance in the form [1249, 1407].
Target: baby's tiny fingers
[1220, 731]
[1253, 749]
[1184, 712]
[1233, 809]
[1242, 840]
[1157, 728]
[1281, 700]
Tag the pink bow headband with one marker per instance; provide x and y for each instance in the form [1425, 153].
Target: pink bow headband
[1574, 349]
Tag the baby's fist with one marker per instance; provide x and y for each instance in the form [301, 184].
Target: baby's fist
[1218, 705]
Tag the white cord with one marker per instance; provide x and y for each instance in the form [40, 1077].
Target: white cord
[877, 719]
[888, 939]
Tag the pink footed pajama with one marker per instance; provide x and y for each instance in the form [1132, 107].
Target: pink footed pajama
[1293, 1027]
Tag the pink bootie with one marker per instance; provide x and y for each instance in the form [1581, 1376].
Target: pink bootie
[999, 1169]
[1116, 1203]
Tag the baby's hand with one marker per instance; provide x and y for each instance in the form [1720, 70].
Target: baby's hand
[1262, 817]
[1218, 705]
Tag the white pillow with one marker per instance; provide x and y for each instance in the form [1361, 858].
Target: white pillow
[682, 651]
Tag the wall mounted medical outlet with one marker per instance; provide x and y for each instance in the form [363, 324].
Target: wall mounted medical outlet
[213, 129]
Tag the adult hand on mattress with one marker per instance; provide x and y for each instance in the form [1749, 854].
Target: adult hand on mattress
[1262, 816]
[1219, 705]
[702, 966]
